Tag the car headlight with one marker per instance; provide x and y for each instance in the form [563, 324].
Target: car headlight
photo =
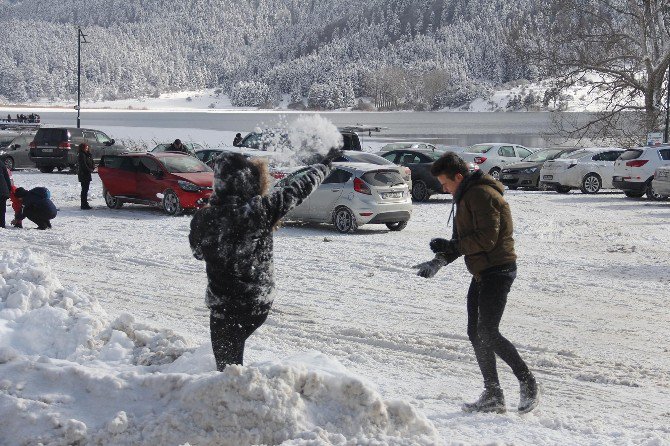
[188, 186]
[530, 170]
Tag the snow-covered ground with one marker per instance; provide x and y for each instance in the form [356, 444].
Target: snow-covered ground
[104, 331]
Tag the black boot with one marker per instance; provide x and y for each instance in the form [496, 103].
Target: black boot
[85, 206]
[491, 400]
[529, 395]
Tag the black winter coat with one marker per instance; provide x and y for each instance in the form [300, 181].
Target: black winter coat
[234, 236]
[85, 166]
[5, 182]
[37, 200]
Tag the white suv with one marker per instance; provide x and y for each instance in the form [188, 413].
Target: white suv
[634, 170]
[661, 182]
[493, 157]
[588, 169]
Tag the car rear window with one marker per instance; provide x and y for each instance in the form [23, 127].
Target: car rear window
[630, 154]
[383, 178]
[664, 154]
[51, 136]
[184, 164]
[479, 148]
[367, 158]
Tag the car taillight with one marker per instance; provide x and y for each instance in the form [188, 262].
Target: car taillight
[480, 159]
[361, 187]
[64, 145]
[32, 145]
[636, 163]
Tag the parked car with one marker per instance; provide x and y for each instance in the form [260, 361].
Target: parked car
[587, 169]
[172, 181]
[58, 147]
[15, 151]
[493, 157]
[634, 170]
[355, 194]
[661, 182]
[275, 167]
[192, 147]
[402, 145]
[424, 184]
[353, 156]
[526, 173]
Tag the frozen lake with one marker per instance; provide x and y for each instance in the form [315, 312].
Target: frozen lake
[453, 128]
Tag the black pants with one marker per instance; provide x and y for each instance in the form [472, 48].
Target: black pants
[84, 192]
[230, 331]
[3, 210]
[37, 216]
[487, 297]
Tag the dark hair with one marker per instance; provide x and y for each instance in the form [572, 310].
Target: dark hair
[239, 134]
[449, 164]
[177, 142]
[82, 146]
[20, 192]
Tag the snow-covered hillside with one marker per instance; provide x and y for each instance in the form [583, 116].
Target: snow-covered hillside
[104, 332]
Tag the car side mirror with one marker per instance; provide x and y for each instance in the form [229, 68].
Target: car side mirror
[15, 146]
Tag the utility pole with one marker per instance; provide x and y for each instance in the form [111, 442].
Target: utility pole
[667, 108]
[81, 39]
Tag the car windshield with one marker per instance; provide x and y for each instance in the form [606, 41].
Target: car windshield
[576, 154]
[367, 158]
[184, 164]
[542, 155]
[383, 178]
[480, 148]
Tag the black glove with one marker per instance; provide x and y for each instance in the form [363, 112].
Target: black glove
[441, 245]
[332, 154]
[430, 268]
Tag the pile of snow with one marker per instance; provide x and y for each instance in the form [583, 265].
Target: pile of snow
[70, 376]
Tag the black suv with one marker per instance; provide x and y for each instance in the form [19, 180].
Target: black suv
[57, 147]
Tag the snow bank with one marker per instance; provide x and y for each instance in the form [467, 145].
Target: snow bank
[69, 375]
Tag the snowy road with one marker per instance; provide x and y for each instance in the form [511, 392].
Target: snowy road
[588, 310]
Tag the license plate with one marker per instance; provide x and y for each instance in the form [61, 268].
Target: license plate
[547, 177]
[47, 150]
[507, 177]
[392, 195]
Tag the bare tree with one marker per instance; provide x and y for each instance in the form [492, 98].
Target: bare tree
[619, 49]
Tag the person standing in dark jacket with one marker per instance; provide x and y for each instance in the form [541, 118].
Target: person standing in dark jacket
[5, 192]
[85, 166]
[237, 140]
[234, 237]
[483, 234]
[37, 207]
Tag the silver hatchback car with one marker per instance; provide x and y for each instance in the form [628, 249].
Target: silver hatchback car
[355, 194]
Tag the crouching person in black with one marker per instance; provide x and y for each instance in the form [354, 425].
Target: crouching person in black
[37, 207]
[234, 237]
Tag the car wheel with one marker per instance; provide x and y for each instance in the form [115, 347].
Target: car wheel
[344, 220]
[562, 189]
[495, 173]
[653, 195]
[631, 194]
[420, 191]
[591, 184]
[46, 169]
[111, 201]
[171, 203]
[397, 226]
[9, 163]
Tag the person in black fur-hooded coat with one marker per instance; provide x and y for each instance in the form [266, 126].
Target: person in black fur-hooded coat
[234, 237]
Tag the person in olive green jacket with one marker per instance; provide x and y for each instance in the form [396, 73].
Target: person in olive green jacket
[483, 235]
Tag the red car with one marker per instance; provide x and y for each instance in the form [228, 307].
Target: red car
[172, 181]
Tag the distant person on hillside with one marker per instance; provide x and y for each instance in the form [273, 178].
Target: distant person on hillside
[483, 234]
[85, 167]
[177, 146]
[5, 192]
[237, 140]
[234, 237]
[37, 206]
